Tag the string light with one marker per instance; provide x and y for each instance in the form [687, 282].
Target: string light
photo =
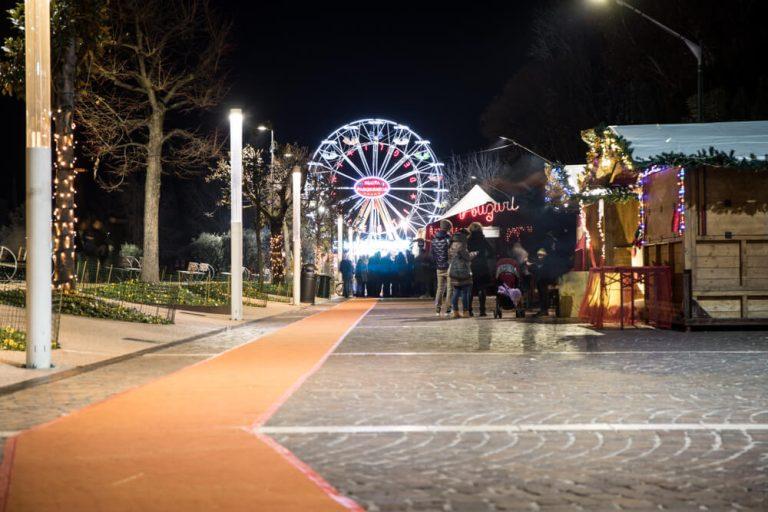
[276, 257]
[64, 211]
[516, 231]
[601, 232]
[681, 200]
[643, 180]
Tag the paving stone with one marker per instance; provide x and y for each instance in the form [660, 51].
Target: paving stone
[485, 372]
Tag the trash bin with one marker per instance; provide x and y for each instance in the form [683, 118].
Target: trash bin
[323, 286]
[308, 283]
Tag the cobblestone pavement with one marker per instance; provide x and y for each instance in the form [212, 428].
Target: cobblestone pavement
[418, 413]
[35, 405]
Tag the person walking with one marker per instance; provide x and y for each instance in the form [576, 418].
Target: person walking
[543, 277]
[361, 276]
[481, 265]
[374, 275]
[400, 270]
[439, 252]
[422, 272]
[460, 273]
[347, 270]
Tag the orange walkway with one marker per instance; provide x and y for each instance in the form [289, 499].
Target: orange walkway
[185, 441]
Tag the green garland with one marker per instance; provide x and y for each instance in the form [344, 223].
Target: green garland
[612, 195]
[710, 158]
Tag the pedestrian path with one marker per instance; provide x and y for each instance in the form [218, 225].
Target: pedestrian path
[188, 441]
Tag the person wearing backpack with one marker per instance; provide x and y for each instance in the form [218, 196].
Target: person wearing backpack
[460, 273]
[439, 252]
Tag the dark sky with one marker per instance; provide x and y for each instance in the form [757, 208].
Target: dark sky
[432, 67]
[308, 69]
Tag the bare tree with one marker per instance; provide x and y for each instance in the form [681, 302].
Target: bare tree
[268, 189]
[463, 171]
[161, 64]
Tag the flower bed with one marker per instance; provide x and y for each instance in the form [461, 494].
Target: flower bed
[13, 339]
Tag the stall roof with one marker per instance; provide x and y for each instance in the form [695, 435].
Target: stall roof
[744, 138]
[475, 197]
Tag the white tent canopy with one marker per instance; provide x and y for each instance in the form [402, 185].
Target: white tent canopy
[475, 197]
[744, 138]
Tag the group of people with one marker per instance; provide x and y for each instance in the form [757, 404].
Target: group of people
[384, 275]
[466, 268]
[459, 266]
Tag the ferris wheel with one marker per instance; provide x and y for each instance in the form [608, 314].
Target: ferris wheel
[384, 178]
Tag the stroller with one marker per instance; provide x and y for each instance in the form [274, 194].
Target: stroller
[508, 294]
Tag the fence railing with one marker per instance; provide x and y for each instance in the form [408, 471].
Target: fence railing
[13, 316]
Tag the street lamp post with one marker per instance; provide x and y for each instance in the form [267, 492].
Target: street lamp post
[296, 193]
[37, 40]
[263, 128]
[340, 243]
[693, 47]
[236, 215]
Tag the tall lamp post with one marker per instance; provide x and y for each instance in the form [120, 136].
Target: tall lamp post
[340, 243]
[236, 215]
[693, 47]
[296, 193]
[37, 40]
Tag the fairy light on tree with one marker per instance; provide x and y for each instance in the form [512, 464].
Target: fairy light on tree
[77, 37]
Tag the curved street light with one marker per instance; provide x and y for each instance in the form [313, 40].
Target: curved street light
[693, 47]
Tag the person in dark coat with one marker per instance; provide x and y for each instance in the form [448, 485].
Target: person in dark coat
[482, 253]
[374, 275]
[410, 268]
[387, 274]
[422, 272]
[460, 272]
[361, 276]
[400, 270]
[544, 274]
[347, 270]
[439, 252]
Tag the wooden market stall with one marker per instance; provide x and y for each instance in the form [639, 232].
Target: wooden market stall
[702, 212]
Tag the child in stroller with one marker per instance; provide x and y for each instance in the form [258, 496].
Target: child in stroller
[508, 294]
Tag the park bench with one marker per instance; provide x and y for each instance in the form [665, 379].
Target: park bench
[130, 265]
[196, 272]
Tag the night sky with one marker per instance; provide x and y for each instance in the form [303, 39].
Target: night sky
[432, 67]
[308, 69]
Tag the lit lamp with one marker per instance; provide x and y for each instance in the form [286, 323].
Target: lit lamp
[693, 47]
[340, 242]
[236, 209]
[264, 128]
[296, 234]
[37, 40]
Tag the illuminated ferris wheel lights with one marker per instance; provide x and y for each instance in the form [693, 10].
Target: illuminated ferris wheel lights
[382, 176]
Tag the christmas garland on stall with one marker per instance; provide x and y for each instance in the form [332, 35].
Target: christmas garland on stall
[709, 158]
